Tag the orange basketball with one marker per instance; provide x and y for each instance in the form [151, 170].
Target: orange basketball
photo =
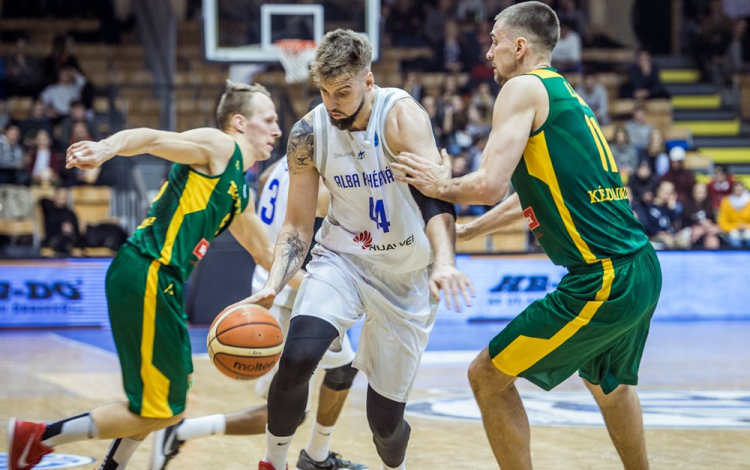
[244, 342]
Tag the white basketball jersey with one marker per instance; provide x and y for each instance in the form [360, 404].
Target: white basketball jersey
[372, 215]
[272, 211]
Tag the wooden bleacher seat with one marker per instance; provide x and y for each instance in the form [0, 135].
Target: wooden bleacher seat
[17, 227]
[19, 107]
[744, 83]
[91, 205]
[508, 239]
[612, 56]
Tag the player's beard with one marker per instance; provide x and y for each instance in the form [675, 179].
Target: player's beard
[346, 123]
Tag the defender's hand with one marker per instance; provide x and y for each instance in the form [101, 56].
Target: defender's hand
[451, 281]
[425, 175]
[88, 155]
[263, 297]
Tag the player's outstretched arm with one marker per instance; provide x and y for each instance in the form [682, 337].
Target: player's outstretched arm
[493, 220]
[296, 233]
[195, 147]
[512, 122]
[250, 232]
[408, 129]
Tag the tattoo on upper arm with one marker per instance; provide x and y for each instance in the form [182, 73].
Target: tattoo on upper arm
[293, 251]
[300, 148]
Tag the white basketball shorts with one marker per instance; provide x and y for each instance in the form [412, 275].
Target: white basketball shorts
[398, 309]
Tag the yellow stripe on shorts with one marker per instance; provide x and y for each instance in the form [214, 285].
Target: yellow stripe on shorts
[525, 351]
[155, 400]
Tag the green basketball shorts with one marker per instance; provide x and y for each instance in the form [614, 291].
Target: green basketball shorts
[150, 331]
[596, 322]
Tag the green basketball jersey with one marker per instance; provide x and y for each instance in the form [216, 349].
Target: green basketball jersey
[190, 210]
[570, 190]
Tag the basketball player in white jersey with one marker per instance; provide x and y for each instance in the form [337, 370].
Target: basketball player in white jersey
[384, 249]
[339, 373]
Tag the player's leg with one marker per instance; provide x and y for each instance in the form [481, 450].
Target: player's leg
[308, 339]
[390, 431]
[339, 376]
[624, 419]
[138, 313]
[503, 414]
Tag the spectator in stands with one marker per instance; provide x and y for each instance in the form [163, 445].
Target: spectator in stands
[477, 124]
[712, 42]
[430, 105]
[479, 41]
[733, 61]
[59, 96]
[566, 57]
[61, 57]
[699, 220]
[405, 24]
[455, 119]
[483, 97]
[11, 155]
[595, 95]
[638, 128]
[625, 154]
[60, 224]
[656, 154]
[682, 178]
[643, 185]
[46, 165]
[571, 14]
[720, 185]
[23, 72]
[77, 114]
[659, 218]
[413, 85]
[452, 53]
[435, 20]
[4, 114]
[645, 82]
[734, 216]
[37, 120]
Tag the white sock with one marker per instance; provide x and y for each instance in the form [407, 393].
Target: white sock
[194, 428]
[320, 442]
[277, 449]
[119, 454]
[77, 428]
[400, 467]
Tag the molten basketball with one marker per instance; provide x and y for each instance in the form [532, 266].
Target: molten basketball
[244, 342]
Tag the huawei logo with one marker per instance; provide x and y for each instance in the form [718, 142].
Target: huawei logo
[365, 239]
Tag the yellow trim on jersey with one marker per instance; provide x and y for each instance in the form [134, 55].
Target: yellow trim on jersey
[161, 191]
[525, 351]
[541, 73]
[195, 197]
[539, 164]
[155, 402]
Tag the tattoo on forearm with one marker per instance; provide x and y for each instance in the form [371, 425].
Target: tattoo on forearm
[293, 252]
[300, 148]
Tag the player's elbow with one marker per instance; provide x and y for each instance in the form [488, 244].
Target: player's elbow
[489, 192]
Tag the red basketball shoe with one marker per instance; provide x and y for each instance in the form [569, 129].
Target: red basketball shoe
[25, 448]
[263, 465]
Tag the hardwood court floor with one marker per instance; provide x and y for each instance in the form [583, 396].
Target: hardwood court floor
[44, 376]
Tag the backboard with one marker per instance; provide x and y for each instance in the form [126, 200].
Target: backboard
[245, 30]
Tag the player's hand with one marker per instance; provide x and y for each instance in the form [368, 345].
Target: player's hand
[88, 155]
[425, 175]
[263, 297]
[451, 282]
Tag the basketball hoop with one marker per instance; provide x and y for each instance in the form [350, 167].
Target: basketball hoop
[295, 56]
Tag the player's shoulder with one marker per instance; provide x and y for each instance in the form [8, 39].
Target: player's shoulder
[522, 90]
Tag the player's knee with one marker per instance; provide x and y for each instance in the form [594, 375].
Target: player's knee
[483, 374]
[340, 378]
[385, 416]
[296, 364]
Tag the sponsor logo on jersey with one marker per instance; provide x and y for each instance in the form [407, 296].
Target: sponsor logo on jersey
[392, 246]
[681, 409]
[607, 194]
[377, 140]
[365, 239]
[52, 461]
[201, 248]
[360, 155]
[530, 218]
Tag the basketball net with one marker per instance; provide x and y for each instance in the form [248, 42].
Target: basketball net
[295, 56]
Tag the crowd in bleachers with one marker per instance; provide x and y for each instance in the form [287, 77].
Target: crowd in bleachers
[454, 83]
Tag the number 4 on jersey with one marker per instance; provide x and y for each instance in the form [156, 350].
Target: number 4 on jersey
[377, 214]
